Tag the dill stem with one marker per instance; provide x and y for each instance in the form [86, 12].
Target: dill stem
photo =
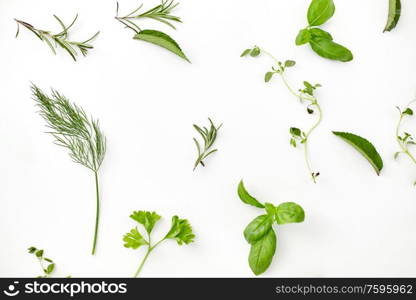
[97, 213]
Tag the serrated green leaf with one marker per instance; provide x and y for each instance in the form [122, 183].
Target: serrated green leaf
[364, 147]
[181, 231]
[329, 49]
[162, 40]
[146, 218]
[257, 228]
[320, 11]
[262, 252]
[289, 212]
[134, 239]
[246, 197]
[303, 37]
[395, 8]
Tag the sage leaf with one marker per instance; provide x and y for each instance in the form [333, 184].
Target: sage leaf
[320, 11]
[161, 39]
[289, 212]
[262, 252]
[319, 33]
[303, 37]
[364, 147]
[395, 8]
[257, 228]
[329, 49]
[246, 197]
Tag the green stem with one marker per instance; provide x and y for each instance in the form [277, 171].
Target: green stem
[149, 250]
[97, 213]
[401, 144]
[313, 102]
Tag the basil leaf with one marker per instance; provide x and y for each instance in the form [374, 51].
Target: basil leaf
[270, 209]
[395, 8]
[328, 49]
[320, 11]
[262, 252]
[289, 212]
[246, 197]
[161, 39]
[317, 32]
[258, 228]
[303, 37]
[364, 147]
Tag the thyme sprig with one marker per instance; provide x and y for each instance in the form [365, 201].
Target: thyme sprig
[47, 265]
[161, 13]
[209, 136]
[403, 138]
[72, 129]
[59, 39]
[305, 94]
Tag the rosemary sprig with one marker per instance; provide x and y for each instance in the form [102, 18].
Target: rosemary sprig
[405, 139]
[209, 136]
[72, 129]
[47, 270]
[161, 13]
[59, 39]
[305, 94]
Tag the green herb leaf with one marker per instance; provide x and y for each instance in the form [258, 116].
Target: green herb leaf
[408, 111]
[246, 197]
[270, 209]
[289, 212]
[134, 239]
[161, 39]
[50, 268]
[268, 76]
[262, 252]
[364, 147]
[258, 228]
[289, 63]
[320, 11]
[319, 33]
[255, 52]
[303, 37]
[146, 218]
[181, 231]
[395, 8]
[245, 52]
[329, 49]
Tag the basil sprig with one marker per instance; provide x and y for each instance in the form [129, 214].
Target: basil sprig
[260, 233]
[319, 12]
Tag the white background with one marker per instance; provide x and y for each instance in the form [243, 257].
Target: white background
[357, 224]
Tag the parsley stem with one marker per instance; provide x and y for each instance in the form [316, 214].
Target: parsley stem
[97, 213]
[149, 250]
